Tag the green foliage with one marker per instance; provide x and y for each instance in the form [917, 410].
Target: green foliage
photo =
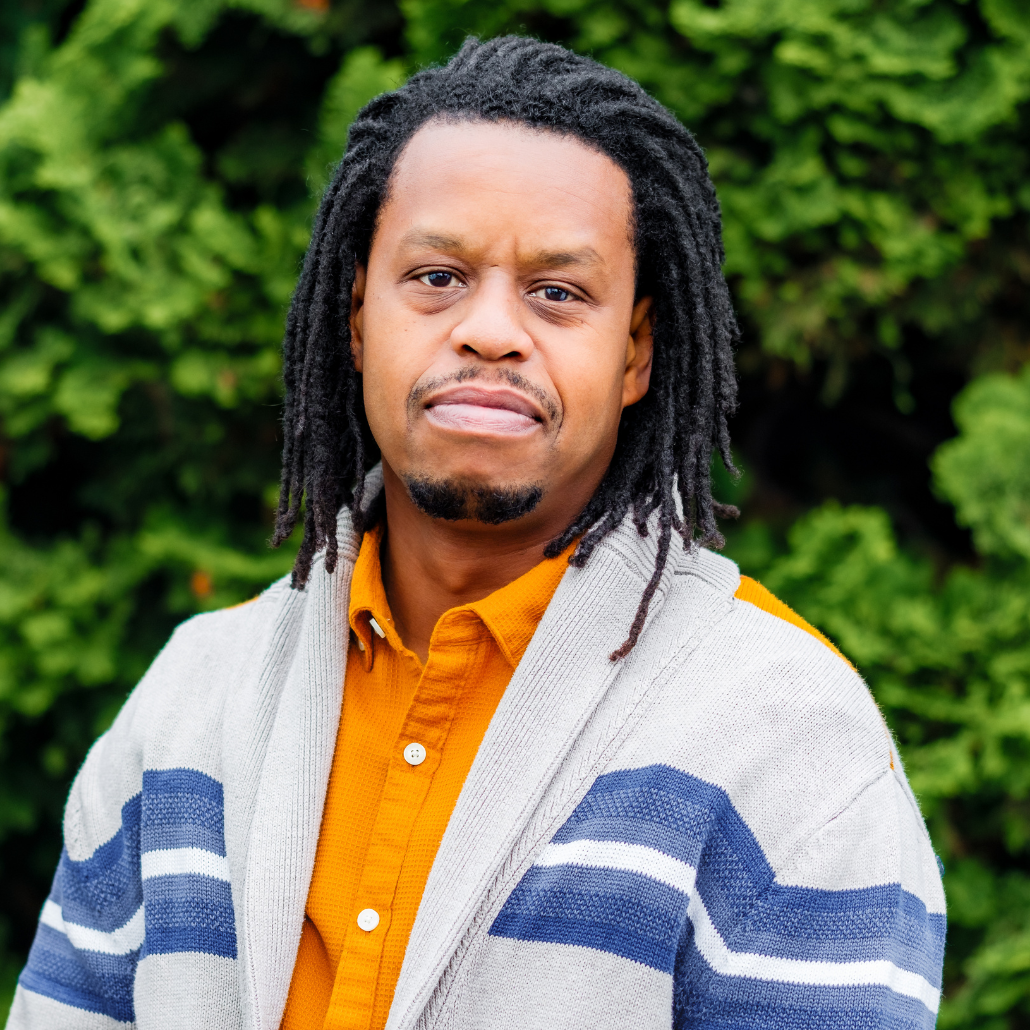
[363, 75]
[160, 161]
[131, 291]
[986, 472]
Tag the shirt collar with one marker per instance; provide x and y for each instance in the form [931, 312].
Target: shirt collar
[368, 603]
[511, 614]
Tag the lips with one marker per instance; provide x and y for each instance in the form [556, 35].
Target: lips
[475, 409]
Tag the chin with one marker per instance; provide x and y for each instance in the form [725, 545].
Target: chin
[472, 498]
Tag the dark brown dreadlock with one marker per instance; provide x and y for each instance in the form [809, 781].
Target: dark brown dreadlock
[666, 440]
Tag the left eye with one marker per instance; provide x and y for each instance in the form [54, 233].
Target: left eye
[555, 293]
[439, 279]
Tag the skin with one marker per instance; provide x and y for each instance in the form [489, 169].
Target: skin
[499, 338]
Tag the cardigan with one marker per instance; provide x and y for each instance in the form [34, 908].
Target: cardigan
[408, 735]
[715, 831]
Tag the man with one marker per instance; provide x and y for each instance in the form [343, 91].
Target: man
[501, 755]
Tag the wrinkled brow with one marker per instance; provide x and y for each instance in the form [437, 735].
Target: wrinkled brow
[541, 259]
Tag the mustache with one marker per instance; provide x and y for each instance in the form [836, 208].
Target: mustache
[509, 376]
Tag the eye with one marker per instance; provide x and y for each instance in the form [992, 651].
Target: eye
[553, 293]
[440, 279]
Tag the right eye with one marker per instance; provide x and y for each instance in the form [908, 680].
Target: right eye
[440, 279]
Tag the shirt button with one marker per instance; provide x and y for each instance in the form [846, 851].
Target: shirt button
[414, 754]
[368, 919]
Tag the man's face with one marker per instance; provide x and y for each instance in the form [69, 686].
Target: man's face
[495, 325]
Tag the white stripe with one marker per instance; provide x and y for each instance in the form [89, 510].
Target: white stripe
[648, 862]
[125, 939]
[179, 861]
[878, 972]
[615, 854]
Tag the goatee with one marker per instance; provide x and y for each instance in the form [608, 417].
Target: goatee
[453, 500]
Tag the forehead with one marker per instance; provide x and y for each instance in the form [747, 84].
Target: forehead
[507, 180]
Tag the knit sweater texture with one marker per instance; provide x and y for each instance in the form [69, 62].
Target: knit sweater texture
[714, 832]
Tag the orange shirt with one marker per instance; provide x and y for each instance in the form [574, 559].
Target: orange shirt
[384, 817]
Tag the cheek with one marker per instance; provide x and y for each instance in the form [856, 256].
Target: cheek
[390, 355]
[377, 399]
[385, 384]
[591, 391]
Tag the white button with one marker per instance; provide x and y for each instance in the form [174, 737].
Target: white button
[368, 919]
[414, 754]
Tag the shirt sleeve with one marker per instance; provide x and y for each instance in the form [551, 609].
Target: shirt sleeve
[848, 934]
[81, 969]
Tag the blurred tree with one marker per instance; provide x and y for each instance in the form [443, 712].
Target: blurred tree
[159, 165]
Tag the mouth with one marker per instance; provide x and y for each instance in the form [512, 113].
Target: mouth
[479, 409]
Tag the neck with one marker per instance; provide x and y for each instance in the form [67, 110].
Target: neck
[431, 565]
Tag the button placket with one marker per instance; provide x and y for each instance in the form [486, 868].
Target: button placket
[426, 727]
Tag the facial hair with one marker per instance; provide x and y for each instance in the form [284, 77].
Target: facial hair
[453, 500]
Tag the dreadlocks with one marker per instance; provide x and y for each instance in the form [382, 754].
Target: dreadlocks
[665, 441]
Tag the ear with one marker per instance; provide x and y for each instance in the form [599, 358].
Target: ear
[357, 317]
[639, 352]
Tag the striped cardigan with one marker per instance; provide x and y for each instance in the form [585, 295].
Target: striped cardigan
[714, 832]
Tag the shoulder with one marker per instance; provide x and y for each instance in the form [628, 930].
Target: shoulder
[746, 611]
[746, 636]
[173, 718]
[751, 592]
[204, 645]
[791, 678]
[762, 705]
[211, 633]
[759, 721]
[202, 660]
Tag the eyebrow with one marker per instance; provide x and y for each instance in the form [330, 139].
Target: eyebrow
[542, 258]
[564, 258]
[422, 238]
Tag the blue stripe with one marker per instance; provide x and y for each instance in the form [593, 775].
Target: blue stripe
[85, 980]
[639, 918]
[695, 822]
[665, 809]
[610, 910]
[189, 913]
[103, 891]
[182, 808]
[177, 808]
[684, 817]
[846, 926]
[704, 1000]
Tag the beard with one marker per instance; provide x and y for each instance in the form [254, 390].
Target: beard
[452, 499]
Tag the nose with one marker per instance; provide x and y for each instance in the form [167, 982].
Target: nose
[491, 327]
